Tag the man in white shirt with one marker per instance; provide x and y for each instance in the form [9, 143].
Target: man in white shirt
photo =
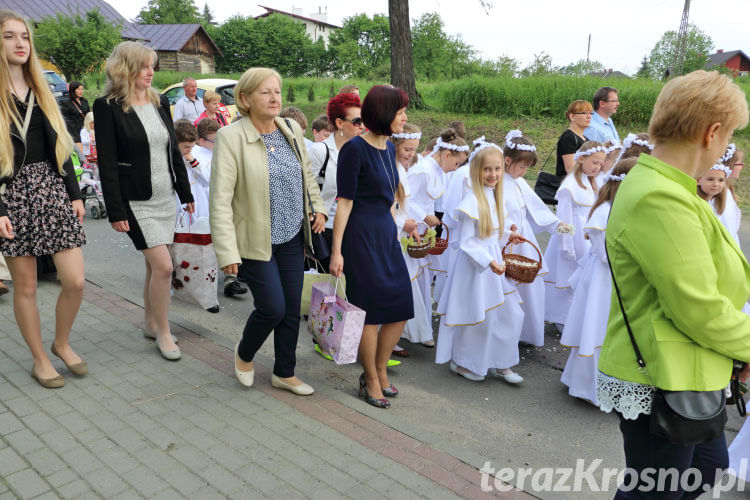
[602, 129]
[189, 106]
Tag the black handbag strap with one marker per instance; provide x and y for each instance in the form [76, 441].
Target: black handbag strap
[638, 355]
[322, 172]
[299, 155]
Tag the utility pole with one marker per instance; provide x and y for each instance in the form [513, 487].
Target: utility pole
[588, 50]
[682, 40]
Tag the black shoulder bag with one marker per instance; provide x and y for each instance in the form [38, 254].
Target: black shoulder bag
[320, 248]
[681, 417]
[322, 172]
[547, 183]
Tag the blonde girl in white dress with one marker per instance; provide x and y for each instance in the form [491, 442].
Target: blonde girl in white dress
[427, 182]
[575, 197]
[531, 215]
[419, 328]
[480, 308]
[587, 318]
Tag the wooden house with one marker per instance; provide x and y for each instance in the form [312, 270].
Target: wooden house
[735, 60]
[181, 47]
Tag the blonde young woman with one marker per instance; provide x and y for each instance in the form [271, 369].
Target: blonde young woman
[141, 167]
[41, 211]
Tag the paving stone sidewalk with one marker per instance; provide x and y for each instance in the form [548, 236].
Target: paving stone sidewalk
[141, 427]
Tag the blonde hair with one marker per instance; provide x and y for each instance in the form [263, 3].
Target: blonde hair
[123, 65]
[578, 167]
[688, 105]
[248, 82]
[210, 96]
[720, 200]
[88, 121]
[409, 128]
[484, 224]
[34, 76]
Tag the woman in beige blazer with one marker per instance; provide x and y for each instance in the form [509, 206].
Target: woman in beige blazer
[261, 219]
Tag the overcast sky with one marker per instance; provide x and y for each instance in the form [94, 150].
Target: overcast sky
[621, 32]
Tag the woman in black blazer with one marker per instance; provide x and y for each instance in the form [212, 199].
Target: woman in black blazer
[141, 167]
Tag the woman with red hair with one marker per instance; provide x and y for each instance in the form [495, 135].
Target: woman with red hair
[344, 115]
[365, 239]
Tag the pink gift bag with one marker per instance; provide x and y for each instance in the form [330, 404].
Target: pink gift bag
[335, 323]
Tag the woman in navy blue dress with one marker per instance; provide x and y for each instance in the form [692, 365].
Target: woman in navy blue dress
[365, 238]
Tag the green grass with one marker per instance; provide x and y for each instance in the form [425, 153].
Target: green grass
[491, 107]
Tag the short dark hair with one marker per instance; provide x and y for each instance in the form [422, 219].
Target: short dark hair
[602, 95]
[207, 126]
[185, 131]
[380, 106]
[322, 123]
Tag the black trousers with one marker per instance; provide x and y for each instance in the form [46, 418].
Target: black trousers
[276, 286]
[644, 450]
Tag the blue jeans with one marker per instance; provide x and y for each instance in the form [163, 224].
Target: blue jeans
[645, 450]
[276, 286]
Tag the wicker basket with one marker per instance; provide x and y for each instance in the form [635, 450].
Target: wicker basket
[440, 243]
[515, 268]
[418, 250]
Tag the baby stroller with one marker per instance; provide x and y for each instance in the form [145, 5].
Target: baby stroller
[90, 188]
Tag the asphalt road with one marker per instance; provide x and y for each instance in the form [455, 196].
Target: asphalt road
[534, 425]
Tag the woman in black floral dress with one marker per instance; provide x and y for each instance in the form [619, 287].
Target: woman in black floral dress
[41, 210]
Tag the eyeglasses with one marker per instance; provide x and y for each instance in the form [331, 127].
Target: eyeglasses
[588, 113]
[612, 100]
[739, 164]
[208, 140]
[354, 121]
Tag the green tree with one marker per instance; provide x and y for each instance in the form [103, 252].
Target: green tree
[541, 66]
[698, 45]
[169, 12]
[645, 70]
[361, 45]
[77, 44]
[582, 68]
[275, 41]
[207, 17]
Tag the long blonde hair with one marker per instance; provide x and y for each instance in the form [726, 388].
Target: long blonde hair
[34, 76]
[475, 173]
[124, 64]
[578, 167]
[409, 128]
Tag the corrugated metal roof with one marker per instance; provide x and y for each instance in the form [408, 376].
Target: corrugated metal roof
[36, 10]
[171, 37]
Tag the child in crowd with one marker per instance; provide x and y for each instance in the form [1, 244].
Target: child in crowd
[214, 109]
[349, 89]
[586, 323]
[613, 150]
[634, 145]
[481, 315]
[203, 152]
[298, 116]
[459, 127]
[419, 328]
[733, 160]
[712, 187]
[575, 197]
[321, 128]
[428, 148]
[427, 180]
[525, 209]
[186, 137]
[88, 141]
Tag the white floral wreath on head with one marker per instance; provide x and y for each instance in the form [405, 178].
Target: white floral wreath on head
[580, 154]
[512, 145]
[447, 145]
[720, 166]
[614, 147]
[731, 149]
[480, 144]
[404, 135]
[611, 177]
[633, 139]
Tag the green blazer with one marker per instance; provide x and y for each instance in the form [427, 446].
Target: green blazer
[240, 193]
[683, 281]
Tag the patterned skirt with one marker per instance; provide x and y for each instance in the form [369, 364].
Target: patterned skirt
[41, 214]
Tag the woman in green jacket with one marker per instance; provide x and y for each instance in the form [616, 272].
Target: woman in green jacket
[682, 279]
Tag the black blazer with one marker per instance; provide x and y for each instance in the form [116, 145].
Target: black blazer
[124, 158]
[19, 155]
